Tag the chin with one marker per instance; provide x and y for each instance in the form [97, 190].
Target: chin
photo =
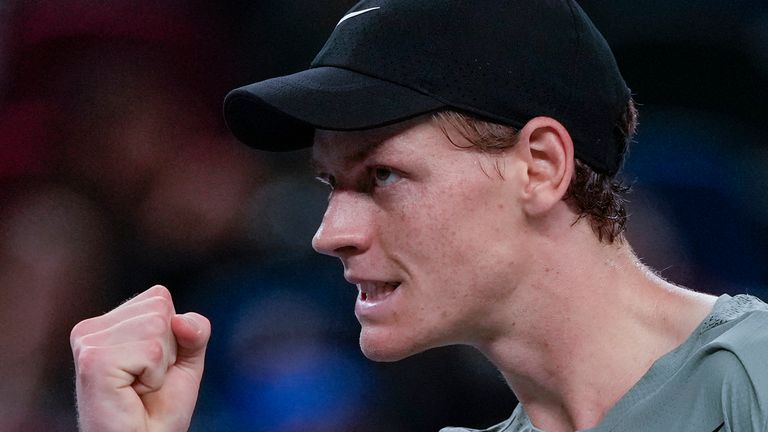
[385, 346]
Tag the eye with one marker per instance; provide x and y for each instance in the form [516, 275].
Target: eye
[384, 176]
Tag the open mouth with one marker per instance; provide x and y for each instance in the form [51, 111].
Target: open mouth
[376, 291]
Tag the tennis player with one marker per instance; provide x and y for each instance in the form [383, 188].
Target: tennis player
[471, 150]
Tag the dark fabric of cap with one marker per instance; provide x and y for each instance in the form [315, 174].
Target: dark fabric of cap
[390, 60]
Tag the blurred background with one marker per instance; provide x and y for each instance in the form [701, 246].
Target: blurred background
[116, 173]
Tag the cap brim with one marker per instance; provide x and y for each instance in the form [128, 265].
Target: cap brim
[281, 114]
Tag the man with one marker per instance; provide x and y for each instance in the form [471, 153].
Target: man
[471, 150]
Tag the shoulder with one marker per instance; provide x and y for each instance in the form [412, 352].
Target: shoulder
[739, 351]
[740, 325]
[732, 310]
[736, 333]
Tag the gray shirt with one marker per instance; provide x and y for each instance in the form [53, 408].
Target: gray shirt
[716, 381]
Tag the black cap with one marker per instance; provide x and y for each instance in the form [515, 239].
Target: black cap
[506, 61]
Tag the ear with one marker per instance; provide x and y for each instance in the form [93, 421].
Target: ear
[547, 150]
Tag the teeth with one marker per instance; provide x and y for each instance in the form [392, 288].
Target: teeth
[376, 291]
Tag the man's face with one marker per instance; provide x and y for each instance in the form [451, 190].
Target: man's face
[429, 232]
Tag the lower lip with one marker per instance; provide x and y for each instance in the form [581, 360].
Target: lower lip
[367, 310]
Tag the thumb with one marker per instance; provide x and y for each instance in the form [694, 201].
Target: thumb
[192, 332]
[172, 406]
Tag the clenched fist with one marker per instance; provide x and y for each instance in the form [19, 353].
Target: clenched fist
[139, 366]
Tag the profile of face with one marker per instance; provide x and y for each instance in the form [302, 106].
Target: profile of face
[426, 228]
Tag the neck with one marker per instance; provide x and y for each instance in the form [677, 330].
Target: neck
[579, 334]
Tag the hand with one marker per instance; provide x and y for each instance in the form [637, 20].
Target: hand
[139, 366]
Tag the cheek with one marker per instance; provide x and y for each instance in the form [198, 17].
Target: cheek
[444, 238]
[467, 243]
[419, 233]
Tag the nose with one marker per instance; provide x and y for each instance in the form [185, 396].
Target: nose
[346, 227]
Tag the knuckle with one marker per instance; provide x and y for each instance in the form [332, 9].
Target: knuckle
[161, 305]
[156, 324]
[76, 351]
[86, 341]
[154, 352]
[74, 337]
[79, 330]
[161, 291]
[87, 360]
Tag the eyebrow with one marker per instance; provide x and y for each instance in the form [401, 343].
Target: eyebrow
[366, 149]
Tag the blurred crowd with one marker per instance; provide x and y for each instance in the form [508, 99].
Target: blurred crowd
[117, 172]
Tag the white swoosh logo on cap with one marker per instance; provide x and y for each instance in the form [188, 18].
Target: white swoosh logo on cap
[354, 14]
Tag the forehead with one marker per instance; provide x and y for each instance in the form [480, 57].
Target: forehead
[340, 148]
